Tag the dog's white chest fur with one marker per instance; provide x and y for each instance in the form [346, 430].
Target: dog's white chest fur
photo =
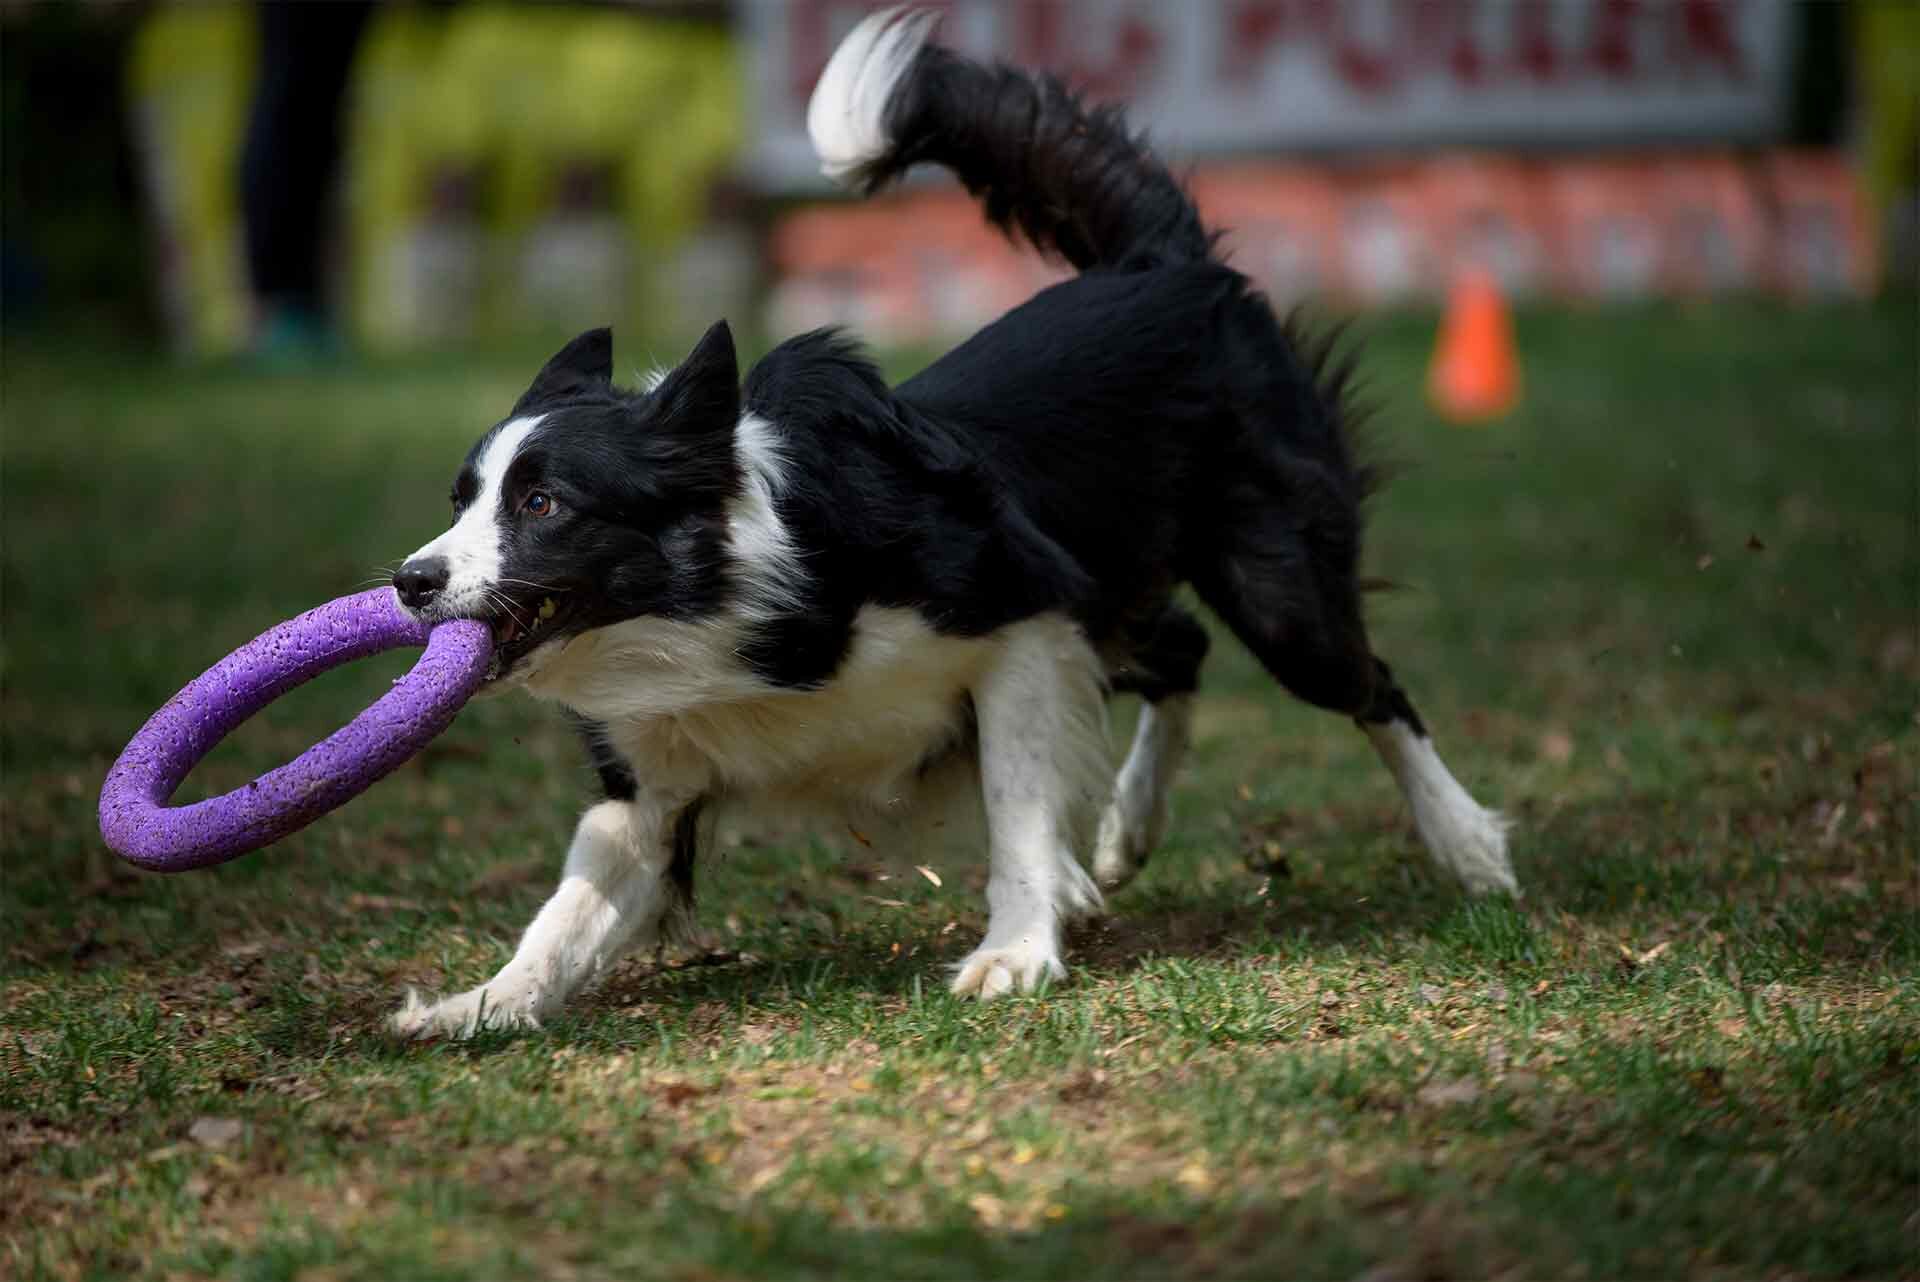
[676, 698]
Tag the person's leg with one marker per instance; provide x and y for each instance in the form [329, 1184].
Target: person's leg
[292, 152]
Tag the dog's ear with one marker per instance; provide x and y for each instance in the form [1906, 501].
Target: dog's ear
[584, 365]
[701, 397]
[687, 424]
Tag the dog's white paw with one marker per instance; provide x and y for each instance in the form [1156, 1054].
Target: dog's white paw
[461, 1017]
[1136, 814]
[1478, 853]
[990, 972]
[1471, 841]
[1076, 898]
[1121, 849]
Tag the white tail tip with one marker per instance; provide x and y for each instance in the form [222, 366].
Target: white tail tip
[846, 117]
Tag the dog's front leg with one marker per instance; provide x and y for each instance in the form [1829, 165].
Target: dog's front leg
[1042, 723]
[612, 897]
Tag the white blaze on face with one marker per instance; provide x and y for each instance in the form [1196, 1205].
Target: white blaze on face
[472, 546]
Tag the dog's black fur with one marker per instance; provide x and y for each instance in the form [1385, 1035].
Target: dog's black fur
[1146, 424]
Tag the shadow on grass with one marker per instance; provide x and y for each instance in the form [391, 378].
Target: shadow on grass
[1751, 896]
[1531, 1183]
[862, 964]
[1776, 910]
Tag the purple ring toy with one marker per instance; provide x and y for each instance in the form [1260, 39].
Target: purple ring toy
[134, 816]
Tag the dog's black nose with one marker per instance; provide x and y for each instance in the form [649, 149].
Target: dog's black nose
[420, 580]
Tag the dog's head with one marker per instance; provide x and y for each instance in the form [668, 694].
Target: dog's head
[589, 505]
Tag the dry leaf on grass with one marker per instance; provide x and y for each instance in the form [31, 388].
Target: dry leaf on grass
[991, 1211]
[1632, 961]
[1446, 1092]
[1194, 1177]
[928, 873]
[215, 1132]
[763, 1177]
[384, 903]
[674, 1094]
[1557, 746]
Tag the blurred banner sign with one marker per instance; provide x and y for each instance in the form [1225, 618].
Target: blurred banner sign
[1220, 76]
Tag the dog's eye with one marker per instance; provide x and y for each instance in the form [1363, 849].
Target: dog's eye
[537, 504]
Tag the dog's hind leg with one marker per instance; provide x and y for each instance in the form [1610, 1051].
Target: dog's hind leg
[629, 864]
[1164, 670]
[1295, 605]
[1136, 816]
[1463, 836]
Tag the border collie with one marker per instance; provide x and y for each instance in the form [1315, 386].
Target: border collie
[813, 587]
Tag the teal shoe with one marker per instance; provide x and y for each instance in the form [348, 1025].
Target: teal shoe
[295, 338]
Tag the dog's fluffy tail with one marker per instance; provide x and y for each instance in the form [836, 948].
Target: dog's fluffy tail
[1072, 179]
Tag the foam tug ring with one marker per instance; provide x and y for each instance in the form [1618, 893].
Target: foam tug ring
[141, 827]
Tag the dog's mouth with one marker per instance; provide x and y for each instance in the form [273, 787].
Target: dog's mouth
[519, 628]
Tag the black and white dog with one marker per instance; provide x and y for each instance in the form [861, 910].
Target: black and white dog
[816, 587]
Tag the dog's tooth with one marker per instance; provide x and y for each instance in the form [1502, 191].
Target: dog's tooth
[547, 608]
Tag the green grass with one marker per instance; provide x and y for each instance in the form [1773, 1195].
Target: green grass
[1665, 616]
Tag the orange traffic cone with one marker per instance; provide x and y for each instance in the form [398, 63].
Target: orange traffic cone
[1475, 374]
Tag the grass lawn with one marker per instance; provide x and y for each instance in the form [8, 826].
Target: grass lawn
[1665, 616]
